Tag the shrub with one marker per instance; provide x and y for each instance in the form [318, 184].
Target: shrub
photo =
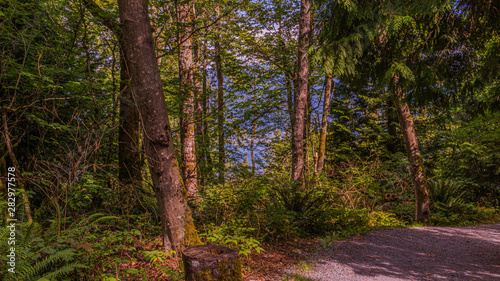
[446, 193]
[233, 236]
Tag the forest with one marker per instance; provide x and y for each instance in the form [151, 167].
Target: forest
[133, 129]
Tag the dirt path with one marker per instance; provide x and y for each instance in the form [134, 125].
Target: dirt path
[423, 253]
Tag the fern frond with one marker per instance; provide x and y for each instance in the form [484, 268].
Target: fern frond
[40, 266]
[31, 229]
[64, 271]
[101, 219]
[400, 69]
[3, 233]
[86, 223]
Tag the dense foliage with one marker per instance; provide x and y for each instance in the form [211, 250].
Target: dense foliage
[61, 84]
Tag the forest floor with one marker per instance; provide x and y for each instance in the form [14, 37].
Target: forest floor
[418, 253]
[413, 253]
[277, 258]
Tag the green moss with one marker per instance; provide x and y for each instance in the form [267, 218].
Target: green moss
[191, 237]
[226, 272]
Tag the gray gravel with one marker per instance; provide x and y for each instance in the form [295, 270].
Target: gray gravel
[421, 253]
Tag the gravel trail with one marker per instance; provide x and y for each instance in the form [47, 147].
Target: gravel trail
[421, 253]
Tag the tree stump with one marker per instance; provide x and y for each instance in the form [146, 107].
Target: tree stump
[211, 263]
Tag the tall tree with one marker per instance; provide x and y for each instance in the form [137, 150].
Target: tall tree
[129, 153]
[177, 224]
[301, 93]
[187, 86]
[391, 120]
[200, 118]
[205, 91]
[220, 99]
[324, 122]
[422, 208]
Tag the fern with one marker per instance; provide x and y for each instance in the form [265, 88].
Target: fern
[401, 70]
[446, 192]
[63, 271]
[40, 266]
[32, 261]
[79, 227]
[3, 232]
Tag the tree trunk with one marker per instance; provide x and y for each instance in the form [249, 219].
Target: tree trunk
[324, 122]
[422, 212]
[391, 119]
[129, 153]
[177, 224]
[301, 92]
[307, 135]
[289, 97]
[289, 77]
[200, 109]
[199, 115]
[205, 107]
[186, 77]
[220, 104]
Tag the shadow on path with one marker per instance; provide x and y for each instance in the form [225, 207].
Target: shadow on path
[422, 253]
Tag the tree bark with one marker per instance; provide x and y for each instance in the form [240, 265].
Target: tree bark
[129, 153]
[177, 224]
[289, 77]
[307, 136]
[289, 97]
[186, 77]
[220, 103]
[324, 122]
[422, 208]
[199, 115]
[205, 107]
[300, 102]
[391, 119]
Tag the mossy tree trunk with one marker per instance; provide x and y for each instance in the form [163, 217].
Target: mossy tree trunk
[211, 263]
[177, 224]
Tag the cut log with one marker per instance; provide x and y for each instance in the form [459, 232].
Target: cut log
[211, 263]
